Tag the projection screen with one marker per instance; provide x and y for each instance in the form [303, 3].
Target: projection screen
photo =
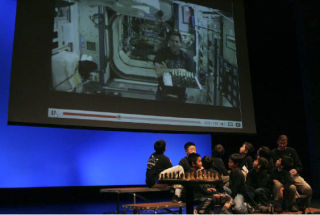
[162, 65]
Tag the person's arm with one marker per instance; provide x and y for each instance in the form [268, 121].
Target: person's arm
[160, 69]
[159, 63]
[264, 181]
[270, 182]
[181, 162]
[236, 183]
[274, 176]
[168, 163]
[250, 179]
[164, 163]
[297, 162]
[250, 163]
[275, 156]
[219, 166]
[151, 174]
[281, 192]
[190, 65]
[287, 180]
[219, 185]
[160, 57]
[223, 167]
[184, 163]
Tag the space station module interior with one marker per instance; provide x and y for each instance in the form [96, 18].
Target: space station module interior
[109, 47]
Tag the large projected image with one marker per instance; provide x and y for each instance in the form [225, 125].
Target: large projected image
[164, 50]
[162, 65]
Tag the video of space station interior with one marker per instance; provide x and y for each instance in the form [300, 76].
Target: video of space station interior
[141, 49]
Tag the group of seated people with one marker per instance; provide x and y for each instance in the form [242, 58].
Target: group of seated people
[269, 183]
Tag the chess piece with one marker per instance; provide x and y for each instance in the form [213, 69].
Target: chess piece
[192, 176]
[205, 176]
[217, 177]
[201, 176]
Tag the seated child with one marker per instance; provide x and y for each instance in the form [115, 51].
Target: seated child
[259, 184]
[238, 186]
[246, 151]
[189, 148]
[216, 190]
[179, 170]
[265, 152]
[284, 188]
[200, 193]
[157, 163]
[218, 163]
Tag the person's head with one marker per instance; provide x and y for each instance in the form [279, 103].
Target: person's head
[282, 142]
[285, 162]
[260, 163]
[86, 67]
[246, 148]
[235, 160]
[194, 160]
[190, 147]
[174, 42]
[218, 150]
[264, 152]
[160, 146]
[207, 162]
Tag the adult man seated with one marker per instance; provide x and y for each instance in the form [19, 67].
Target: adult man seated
[283, 150]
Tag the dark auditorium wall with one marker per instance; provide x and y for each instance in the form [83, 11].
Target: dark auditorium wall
[283, 40]
[310, 39]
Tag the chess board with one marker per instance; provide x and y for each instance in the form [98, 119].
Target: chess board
[199, 177]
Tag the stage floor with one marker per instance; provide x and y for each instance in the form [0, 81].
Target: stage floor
[81, 208]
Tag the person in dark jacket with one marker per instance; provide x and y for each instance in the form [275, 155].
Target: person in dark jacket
[181, 169]
[295, 170]
[246, 150]
[265, 152]
[207, 163]
[189, 148]
[216, 190]
[172, 57]
[284, 188]
[259, 182]
[201, 195]
[237, 184]
[157, 163]
[218, 163]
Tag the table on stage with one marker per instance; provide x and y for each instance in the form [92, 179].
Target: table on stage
[133, 191]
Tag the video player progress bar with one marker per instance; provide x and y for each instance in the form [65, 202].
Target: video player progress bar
[139, 118]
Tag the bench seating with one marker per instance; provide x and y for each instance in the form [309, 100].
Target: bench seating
[155, 206]
[134, 191]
